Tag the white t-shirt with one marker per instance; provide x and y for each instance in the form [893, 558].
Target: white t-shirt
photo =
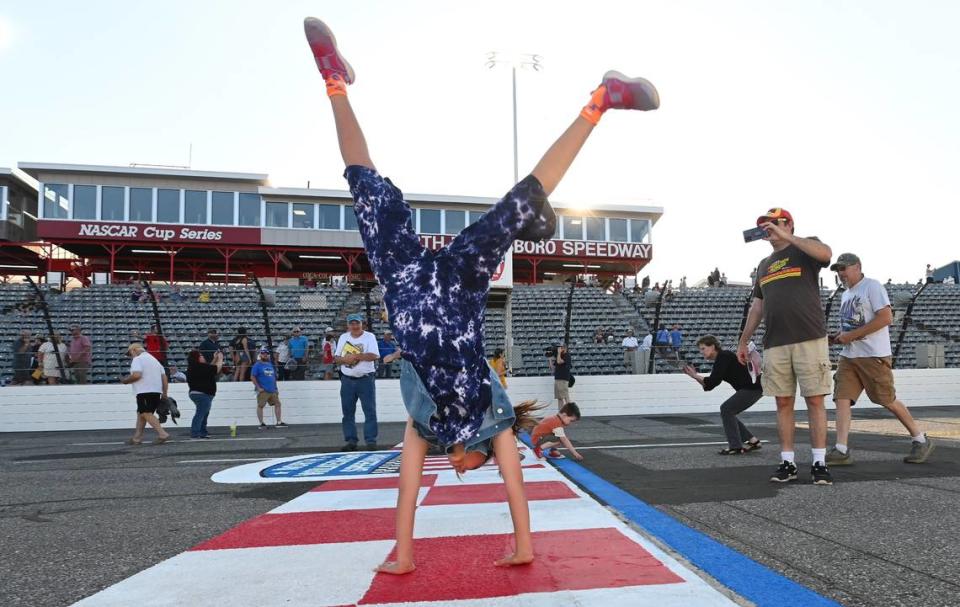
[366, 343]
[858, 307]
[151, 374]
[630, 342]
[647, 342]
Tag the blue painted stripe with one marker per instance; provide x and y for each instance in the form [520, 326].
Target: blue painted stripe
[739, 573]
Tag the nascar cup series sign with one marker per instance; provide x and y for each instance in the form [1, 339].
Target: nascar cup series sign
[145, 232]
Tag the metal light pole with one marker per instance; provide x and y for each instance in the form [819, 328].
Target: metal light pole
[534, 62]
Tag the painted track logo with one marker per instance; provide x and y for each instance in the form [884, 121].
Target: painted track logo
[334, 465]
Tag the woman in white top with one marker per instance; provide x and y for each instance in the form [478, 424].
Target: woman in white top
[48, 358]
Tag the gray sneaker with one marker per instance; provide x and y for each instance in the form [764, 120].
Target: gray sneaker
[836, 458]
[919, 452]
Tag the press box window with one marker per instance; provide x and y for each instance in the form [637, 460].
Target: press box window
[141, 204]
[84, 202]
[303, 215]
[111, 203]
[277, 215]
[429, 221]
[168, 206]
[195, 207]
[329, 216]
[249, 209]
[56, 204]
[221, 208]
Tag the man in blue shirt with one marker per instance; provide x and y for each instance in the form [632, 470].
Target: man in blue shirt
[299, 350]
[387, 345]
[264, 378]
[676, 340]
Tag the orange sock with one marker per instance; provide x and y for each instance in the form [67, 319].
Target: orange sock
[595, 109]
[335, 85]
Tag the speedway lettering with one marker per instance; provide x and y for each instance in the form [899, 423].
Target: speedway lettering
[561, 248]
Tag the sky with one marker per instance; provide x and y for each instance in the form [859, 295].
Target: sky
[844, 113]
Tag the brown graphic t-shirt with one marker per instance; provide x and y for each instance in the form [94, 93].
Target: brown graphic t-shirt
[788, 282]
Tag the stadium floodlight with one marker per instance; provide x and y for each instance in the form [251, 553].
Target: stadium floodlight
[148, 251]
[222, 274]
[579, 266]
[14, 267]
[320, 257]
[523, 61]
[133, 272]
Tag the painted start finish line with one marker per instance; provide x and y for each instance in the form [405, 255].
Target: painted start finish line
[320, 548]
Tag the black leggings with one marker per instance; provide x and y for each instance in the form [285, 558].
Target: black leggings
[736, 432]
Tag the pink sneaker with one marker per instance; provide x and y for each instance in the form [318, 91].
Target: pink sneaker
[538, 452]
[629, 93]
[324, 47]
[554, 454]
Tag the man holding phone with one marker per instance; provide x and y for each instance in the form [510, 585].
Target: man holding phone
[786, 296]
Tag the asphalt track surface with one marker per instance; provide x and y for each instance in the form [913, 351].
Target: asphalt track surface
[80, 511]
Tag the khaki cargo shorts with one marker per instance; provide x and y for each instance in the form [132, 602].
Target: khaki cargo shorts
[875, 375]
[268, 398]
[561, 389]
[806, 363]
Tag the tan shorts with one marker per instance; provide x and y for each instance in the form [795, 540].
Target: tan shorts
[561, 389]
[268, 398]
[806, 363]
[875, 375]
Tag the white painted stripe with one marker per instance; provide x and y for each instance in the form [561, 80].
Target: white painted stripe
[358, 499]
[188, 440]
[221, 461]
[655, 446]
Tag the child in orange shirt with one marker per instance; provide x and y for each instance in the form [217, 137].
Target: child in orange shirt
[550, 432]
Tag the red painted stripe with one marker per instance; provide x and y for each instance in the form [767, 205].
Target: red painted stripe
[461, 568]
[301, 528]
[390, 482]
[481, 494]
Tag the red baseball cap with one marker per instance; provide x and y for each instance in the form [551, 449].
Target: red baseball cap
[774, 214]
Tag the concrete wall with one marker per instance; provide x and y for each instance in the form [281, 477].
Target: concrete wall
[34, 408]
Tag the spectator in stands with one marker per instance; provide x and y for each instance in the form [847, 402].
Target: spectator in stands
[157, 345]
[949, 280]
[175, 295]
[723, 279]
[48, 358]
[22, 354]
[753, 276]
[662, 342]
[136, 295]
[561, 364]
[929, 273]
[283, 357]
[387, 346]
[636, 289]
[81, 355]
[499, 364]
[645, 283]
[356, 353]
[683, 284]
[149, 385]
[676, 341]
[647, 342]
[299, 351]
[630, 346]
[327, 358]
[889, 282]
[550, 433]
[242, 351]
[202, 382]
[599, 336]
[787, 298]
[204, 297]
[177, 376]
[36, 370]
[866, 360]
[264, 378]
[211, 345]
[656, 287]
[726, 368]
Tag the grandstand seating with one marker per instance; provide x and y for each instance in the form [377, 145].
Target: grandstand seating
[537, 312]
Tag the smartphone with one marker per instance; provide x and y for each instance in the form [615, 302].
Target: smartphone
[754, 234]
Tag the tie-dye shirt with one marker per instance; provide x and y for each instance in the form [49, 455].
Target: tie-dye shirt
[436, 299]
